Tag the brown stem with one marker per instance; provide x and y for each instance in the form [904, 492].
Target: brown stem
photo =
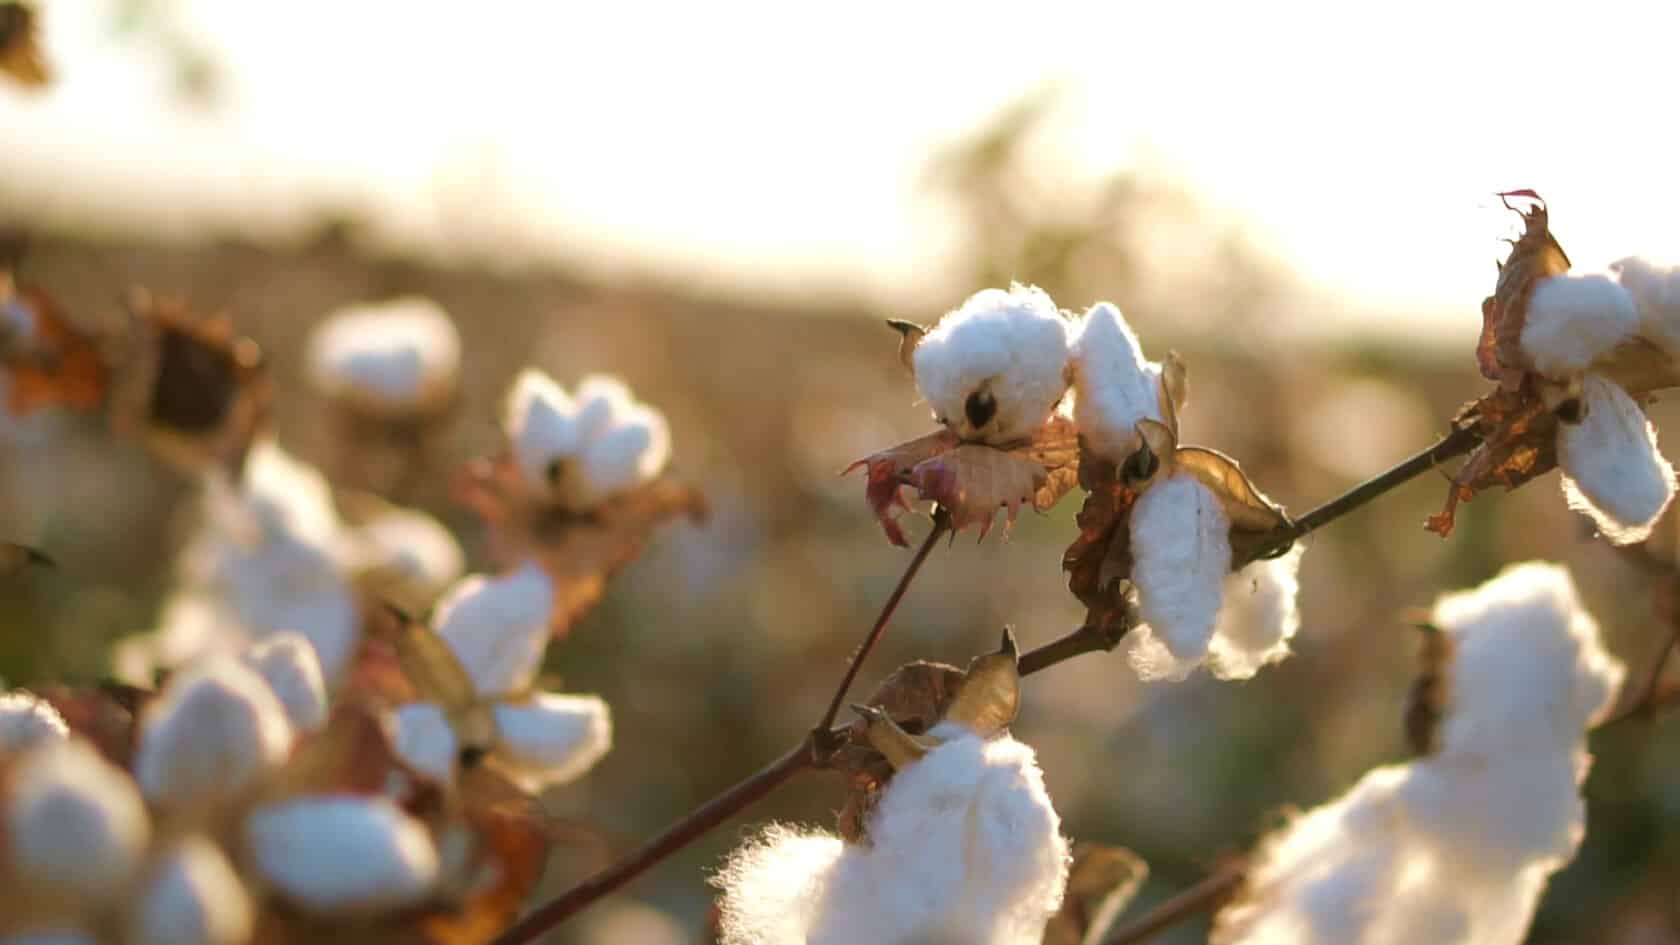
[679, 835]
[819, 732]
[1205, 896]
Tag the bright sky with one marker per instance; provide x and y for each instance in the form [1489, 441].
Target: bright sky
[772, 142]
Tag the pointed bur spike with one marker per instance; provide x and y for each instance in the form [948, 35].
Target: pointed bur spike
[899, 747]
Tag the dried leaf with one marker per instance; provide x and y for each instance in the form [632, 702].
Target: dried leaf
[990, 694]
[58, 365]
[973, 481]
[916, 696]
[1100, 885]
[20, 47]
[1248, 508]
[886, 472]
[1519, 443]
[1535, 255]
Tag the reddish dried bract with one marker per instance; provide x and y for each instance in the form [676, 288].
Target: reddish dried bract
[104, 715]
[972, 481]
[1534, 256]
[57, 366]
[916, 695]
[1519, 443]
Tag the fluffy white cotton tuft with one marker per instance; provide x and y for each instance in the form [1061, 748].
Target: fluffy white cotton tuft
[1114, 385]
[192, 897]
[1612, 469]
[27, 720]
[213, 732]
[580, 451]
[74, 825]
[995, 368]
[287, 662]
[409, 557]
[1258, 618]
[964, 847]
[551, 738]
[342, 854]
[1575, 319]
[1656, 294]
[498, 627]
[425, 741]
[1456, 847]
[1181, 555]
[389, 356]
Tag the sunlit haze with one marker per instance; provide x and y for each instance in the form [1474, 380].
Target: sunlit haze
[763, 143]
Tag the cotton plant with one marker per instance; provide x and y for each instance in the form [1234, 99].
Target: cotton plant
[1456, 846]
[994, 370]
[1174, 521]
[397, 358]
[579, 449]
[1575, 354]
[964, 844]
[475, 668]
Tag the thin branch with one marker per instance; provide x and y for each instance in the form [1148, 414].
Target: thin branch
[679, 835]
[941, 524]
[1205, 896]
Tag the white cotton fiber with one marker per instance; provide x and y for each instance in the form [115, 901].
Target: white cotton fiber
[74, 825]
[425, 741]
[540, 421]
[397, 355]
[581, 451]
[409, 556]
[551, 738]
[498, 627]
[1454, 848]
[963, 847]
[213, 732]
[342, 854]
[1000, 359]
[287, 662]
[1259, 616]
[1656, 294]
[192, 896]
[1181, 555]
[27, 720]
[1114, 385]
[1612, 469]
[1575, 319]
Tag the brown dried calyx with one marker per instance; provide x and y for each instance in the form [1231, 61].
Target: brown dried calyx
[913, 700]
[21, 58]
[1426, 702]
[1101, 882]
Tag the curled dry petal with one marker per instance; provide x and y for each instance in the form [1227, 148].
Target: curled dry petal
[885, 472]
[1534, 256]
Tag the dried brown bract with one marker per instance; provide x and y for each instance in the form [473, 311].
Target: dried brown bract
[50, 362]
[1101, 883]
[21, 58]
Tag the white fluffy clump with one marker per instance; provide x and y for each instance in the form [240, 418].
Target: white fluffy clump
[287, 662]
[1259, 616]
[27, 720]
[214, 731]
[1573, 320]
[498, 627]
[999, 359]
[964, 846]
[390, 356]
[342, 854]
[1612, 469]
[269, 556]
[1181, 555]
[581, 450]
[1114, 385]
[1454, 847]
[1656, 294]
[75, 827]
[192, 896]
[409, 556]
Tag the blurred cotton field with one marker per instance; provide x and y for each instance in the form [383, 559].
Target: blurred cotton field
[431, 526]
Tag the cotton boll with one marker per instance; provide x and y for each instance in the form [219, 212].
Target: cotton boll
[1529, 667]
[498, 627]
[619, 458]
[1491, 817]
[343, 854]
[191, 897]
[1114, 385]
[774, 884]
[993, 370]
[213, 732]
[392, 356]
[409, 556]
[295, 496]
[1181, 551]
[551, 738]
[1612, 469]
[287, 662]
[1573, 320]
[602, 402]
[1258, 618]
[27, 720]
[425, 741]
[1656, 294]
[541, 425]
[74, 825]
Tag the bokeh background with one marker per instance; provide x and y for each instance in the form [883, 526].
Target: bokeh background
[721, 203]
